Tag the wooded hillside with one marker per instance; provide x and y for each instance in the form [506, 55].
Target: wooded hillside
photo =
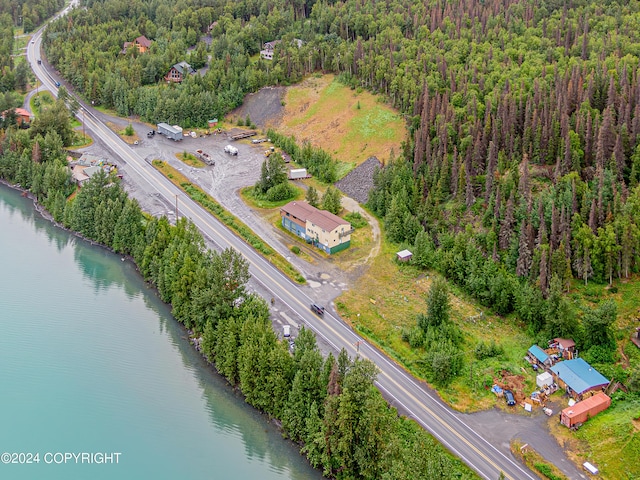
[523, 117]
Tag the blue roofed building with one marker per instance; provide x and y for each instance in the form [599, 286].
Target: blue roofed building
[538, 356]
[578, 378]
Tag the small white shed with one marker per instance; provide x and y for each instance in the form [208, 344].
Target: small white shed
[590, 468]
[543, 379]
[404, 256]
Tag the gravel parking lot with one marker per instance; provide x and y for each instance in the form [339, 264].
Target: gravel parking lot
[223, 182]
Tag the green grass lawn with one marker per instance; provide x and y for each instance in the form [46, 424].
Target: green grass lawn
[255, 203]
[351, 125]
[610, 440]
[190, 159]
[41, 100]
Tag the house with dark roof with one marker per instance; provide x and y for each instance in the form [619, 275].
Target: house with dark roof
[318, 227]
[178, 72]
[578, 378]
[566, 347]
[268, 48]
[142, 43]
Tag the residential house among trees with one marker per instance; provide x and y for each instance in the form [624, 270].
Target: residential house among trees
[566, 347]
[269, 47]
[578, 378]
[142, 43]
[21, 116]
[267, 51]
[178, 72]
[319, 227]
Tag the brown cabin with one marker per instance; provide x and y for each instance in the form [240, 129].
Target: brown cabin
[142, 43]
[178, 72]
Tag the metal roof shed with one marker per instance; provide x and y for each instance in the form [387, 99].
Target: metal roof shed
[404, 255]
[539, 354]
[170, 132]
[543, 379]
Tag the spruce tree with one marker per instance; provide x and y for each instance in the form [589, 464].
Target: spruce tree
[312, 197]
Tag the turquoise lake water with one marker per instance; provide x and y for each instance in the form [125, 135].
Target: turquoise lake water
[92, 362]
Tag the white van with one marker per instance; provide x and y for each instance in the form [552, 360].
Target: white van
[287, 331]
[590, 468]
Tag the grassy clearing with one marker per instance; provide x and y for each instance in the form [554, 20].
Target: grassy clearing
[387, 299]
[349, 124]
[611, 440]
[536, 462]
[80, 140]
[244, 232]
[20, 43]
[107, 111]
[130, 139]
[258, 203]
[40, 101]
[190, 159]
[625, 293]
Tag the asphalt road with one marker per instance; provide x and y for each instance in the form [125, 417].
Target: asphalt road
[401, 389]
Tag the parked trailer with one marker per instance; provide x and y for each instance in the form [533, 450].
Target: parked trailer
[205, 157]
[298, 173]
[241, 135]
[174, 133]
[582, 411]
[590, 468]
[231, 150]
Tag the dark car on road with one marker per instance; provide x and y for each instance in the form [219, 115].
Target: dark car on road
[317, 309]
[508, 396]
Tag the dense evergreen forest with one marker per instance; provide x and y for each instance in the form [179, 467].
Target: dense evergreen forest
[330, 407]
[29, 14]
[519, 174]
[14, 69]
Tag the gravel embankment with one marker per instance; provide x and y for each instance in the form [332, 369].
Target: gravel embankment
[357, 183]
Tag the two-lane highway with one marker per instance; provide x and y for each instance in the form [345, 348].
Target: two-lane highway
[406, 393]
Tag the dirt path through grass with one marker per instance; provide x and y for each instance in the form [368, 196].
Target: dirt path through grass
[353, 206]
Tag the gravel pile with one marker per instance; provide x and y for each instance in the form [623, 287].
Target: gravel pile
[357, 183]
[263, 107]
